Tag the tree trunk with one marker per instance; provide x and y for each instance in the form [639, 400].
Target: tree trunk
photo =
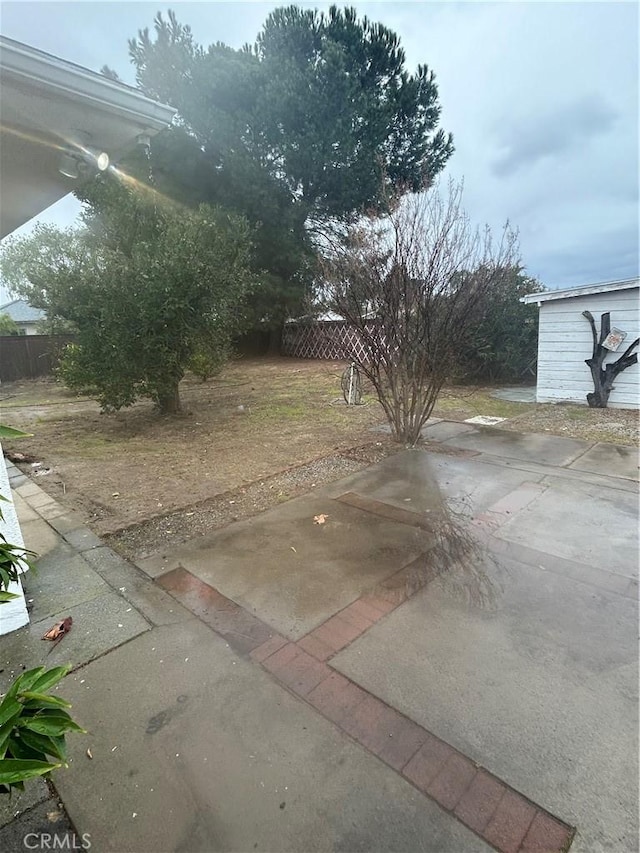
[169, 401]
[604, 376]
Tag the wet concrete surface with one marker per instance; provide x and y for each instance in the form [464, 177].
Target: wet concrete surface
[616, 460]
[540, 686]
[295, 573]
[542, 681]
[195, 748]
[527, 447]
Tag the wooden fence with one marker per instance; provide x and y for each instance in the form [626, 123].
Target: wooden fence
[29, 356]
[335, 340]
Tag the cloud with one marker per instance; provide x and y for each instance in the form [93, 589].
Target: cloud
[542, 99]
[611, 254]
[561, 129]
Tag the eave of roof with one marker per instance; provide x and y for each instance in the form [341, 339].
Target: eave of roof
[583, 290]
[39, 68]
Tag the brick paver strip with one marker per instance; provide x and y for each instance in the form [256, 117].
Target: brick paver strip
[336, 633]
[354, 617]
[382, 604]
[275, 662]
[427, 762]
[200, 595]
[316, 647]
[240, 628]
[367, 610]
[403, 584]
[404, 739]
[302, 673]
[546, 835]
[452, 781]
[510, 823]
[336, 697]
[498, 814]
[479, 801]
[366, 722]
[267, 649]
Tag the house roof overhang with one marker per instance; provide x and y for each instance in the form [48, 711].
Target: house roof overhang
[583, 290]
[50, 106]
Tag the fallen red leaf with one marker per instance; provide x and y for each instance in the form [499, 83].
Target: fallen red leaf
[59, 629]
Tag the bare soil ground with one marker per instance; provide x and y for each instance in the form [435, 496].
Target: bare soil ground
[614, 426]
[260, 433]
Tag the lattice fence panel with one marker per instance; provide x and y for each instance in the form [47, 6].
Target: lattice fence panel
[333, 341]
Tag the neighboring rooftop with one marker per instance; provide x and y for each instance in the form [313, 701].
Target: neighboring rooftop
[582, 290]
[21, 312]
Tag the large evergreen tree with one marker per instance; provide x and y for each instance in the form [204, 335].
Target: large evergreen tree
[313, 123]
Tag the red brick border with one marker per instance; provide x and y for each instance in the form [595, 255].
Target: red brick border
[502, 817]
[489, 807]
[241, 629]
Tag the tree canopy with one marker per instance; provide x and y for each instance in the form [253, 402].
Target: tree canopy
[8, 325]
[503, 337]
[312, 123]
[147, 285]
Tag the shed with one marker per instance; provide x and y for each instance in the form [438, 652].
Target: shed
[565, 340]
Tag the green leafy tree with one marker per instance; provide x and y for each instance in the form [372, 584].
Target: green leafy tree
[8, 325]
[314, 123]
[146, 284]
[503, 339]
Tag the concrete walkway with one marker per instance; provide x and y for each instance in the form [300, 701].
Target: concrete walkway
[288, 685]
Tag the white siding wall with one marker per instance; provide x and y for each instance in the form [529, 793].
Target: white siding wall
[13, 614]
[565, 342]
[28, 328]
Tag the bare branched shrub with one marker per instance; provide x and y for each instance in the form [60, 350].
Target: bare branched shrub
[410, 283]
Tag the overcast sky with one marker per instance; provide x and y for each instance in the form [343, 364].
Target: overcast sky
[542, 99]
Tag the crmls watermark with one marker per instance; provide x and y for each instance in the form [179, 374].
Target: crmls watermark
[57, 841]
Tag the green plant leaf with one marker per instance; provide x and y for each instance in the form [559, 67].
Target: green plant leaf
[50, 725]
[43, 744]
[24, 682]
[14, 770]
[16, 748]
[9, 708]
[7, 596]
[5, 735]
[50, 677]
[10, 432]
[41, 700]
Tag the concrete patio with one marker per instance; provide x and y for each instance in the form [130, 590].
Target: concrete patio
[286, 685]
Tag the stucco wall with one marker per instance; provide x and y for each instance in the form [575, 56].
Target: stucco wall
[564, 342]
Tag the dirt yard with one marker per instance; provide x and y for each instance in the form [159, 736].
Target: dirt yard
[260, 433]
